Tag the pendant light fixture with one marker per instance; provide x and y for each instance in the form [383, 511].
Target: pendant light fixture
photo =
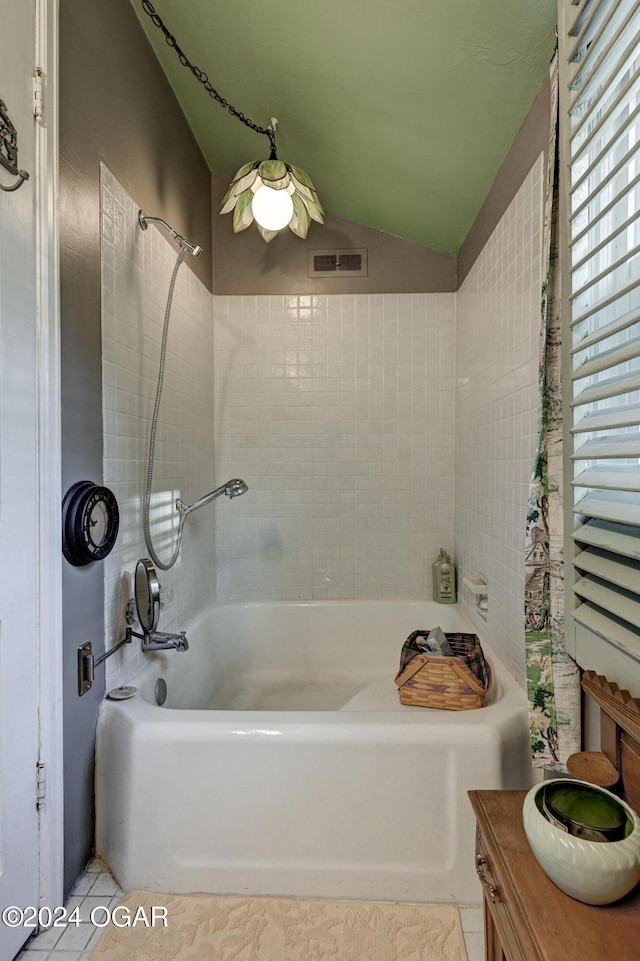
[273, 193]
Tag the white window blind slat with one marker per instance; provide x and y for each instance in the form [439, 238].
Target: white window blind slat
[581, 19]
[593, 221]
[617, 538]
[608, 418]
[585, 108]
[612, 445]
[586, 337]
[611, 387]
[608, 301]
[593, 30]
[606, 272]
[609, 628]
[609, 568]
[620, 507]
[585, 20]
[601, 39]
[606, 359]
[597, 158]
[622, 166]
[605, 242]
[625, 605]
[626, 478]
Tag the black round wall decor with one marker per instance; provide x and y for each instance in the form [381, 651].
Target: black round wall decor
[90, 520]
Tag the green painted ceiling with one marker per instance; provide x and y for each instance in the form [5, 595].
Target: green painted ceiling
[401, 111]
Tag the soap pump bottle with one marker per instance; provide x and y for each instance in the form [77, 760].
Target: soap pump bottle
[444, 579]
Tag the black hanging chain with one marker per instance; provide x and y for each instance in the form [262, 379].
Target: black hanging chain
[200, 75]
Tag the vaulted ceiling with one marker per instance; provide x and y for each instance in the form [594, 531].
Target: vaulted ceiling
[401, 111]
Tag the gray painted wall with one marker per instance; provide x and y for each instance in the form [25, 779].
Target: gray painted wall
[115, 106]
[244, 264]
[531, 140]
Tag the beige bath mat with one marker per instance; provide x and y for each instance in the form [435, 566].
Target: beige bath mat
[207, 928]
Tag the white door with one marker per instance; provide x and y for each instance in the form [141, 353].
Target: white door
[18, 489]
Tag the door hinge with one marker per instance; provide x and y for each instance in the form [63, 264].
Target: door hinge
[41, 784]
[38, 94]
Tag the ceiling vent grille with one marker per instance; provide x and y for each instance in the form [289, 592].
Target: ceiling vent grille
[350, 262]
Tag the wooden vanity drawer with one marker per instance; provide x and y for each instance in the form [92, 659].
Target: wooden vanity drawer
[498, 910]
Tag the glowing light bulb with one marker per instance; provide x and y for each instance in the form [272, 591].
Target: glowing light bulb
[273, 209]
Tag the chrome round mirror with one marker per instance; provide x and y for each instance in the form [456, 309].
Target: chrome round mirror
[147, 591]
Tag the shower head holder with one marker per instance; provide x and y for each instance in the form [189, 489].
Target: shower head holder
[181, 241]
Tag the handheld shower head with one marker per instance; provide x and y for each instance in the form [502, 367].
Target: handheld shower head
[181, 241]
[235, 487]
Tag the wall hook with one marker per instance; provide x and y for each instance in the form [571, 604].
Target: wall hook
[9, 150]
[22, 176]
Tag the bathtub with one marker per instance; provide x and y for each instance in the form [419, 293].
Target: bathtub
[282, 762]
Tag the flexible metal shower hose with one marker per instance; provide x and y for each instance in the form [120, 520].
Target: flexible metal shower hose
[146, 501]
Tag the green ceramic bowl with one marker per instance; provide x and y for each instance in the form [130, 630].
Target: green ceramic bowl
[594, 873]
[584, 811]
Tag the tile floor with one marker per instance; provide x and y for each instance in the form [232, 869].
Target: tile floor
[97, 888]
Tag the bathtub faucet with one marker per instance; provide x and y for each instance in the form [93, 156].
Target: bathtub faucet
[160, 641]
[233, 488]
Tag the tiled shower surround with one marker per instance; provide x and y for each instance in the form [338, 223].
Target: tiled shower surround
[136, 271]
[340, 414]
[497, 331]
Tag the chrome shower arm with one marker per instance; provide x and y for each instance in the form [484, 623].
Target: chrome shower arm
[201, 502]
[232, 488]
[190, 248]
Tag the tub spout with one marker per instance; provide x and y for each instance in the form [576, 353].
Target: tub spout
[160, 641]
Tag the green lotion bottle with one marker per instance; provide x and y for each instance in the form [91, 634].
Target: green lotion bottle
[444, 579]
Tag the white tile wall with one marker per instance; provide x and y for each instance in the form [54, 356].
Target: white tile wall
[136, 271]
[497, 345]
[347, 417]
[338, 411]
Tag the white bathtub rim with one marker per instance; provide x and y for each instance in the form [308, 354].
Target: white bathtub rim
[505, 696]
[263, 723]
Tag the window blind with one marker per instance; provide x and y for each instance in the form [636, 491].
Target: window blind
[604, 236]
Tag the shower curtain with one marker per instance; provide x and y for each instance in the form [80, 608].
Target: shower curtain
[553, 678]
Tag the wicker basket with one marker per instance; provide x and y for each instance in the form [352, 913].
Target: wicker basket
[458, 683]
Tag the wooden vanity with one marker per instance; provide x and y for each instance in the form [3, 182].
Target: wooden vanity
[526, 917]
